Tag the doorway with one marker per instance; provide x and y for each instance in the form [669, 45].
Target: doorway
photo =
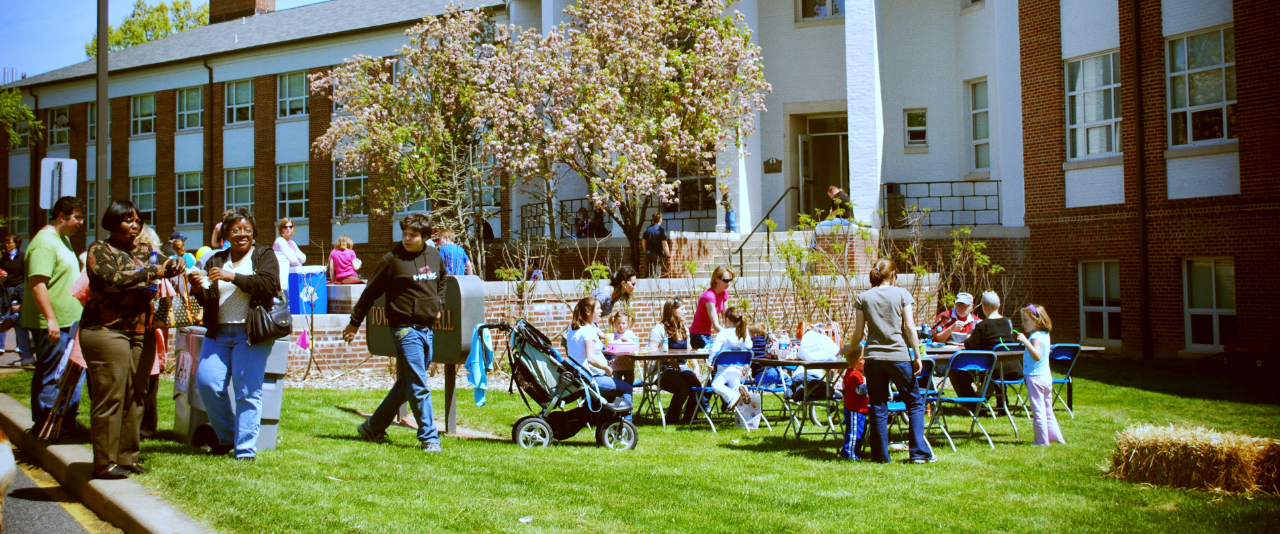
[824, 162]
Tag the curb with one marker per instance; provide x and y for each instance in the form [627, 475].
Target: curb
[124, 503]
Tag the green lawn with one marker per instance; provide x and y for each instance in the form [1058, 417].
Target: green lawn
[322, 479]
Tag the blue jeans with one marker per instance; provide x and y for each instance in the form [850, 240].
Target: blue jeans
[24, 341]
[879, 373]
[855, 430]
[729, 224]
[44, 381]
[413, 351]
[698, 341]
[611, 388]
[827, 224]
[231, 357]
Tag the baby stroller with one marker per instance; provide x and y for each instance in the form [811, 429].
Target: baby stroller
[554, 382]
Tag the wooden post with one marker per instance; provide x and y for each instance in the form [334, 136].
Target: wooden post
[451, 399]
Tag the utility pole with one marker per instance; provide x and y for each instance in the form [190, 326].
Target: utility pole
[104, 125]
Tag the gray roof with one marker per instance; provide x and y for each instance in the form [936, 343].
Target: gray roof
[315, 20]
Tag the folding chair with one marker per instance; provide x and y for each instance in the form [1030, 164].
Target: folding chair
[727, 357]
[650, 385]
[1066, 353]
[1018, 385]
[928, 393]
[777, 387]
[974, 361]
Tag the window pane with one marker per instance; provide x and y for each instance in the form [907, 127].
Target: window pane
[980, 126]
[1095, 73]
[1229, 44]
[1097, 106]
[1231, 121]
[1206, 124]
[1200, 283]
[244, 93]
[1177, 92]
[1178, 128]
[1202, 329]
[1073, 77]
[979, 96]
[916, 137]
[1099, 139]
[1177, 62]
[915, 119]
[1075, 112]
[1226, 329]
[982, 156]
[1115, 67]
[1093, 325]
[193, 99]
[1078, 142]
[1093, 284]
[1114, 328]
[1113, 283]
[1225, 283]
[1205, 87]
[1231, 83]
[1204, 50]
[1115, 97]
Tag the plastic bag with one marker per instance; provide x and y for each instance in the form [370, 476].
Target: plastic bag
[749, 414]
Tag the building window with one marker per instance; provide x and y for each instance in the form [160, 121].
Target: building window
[915, 127]
[239, 101]
[1210, 302]
[1100, 300]
[190, 198]
[59, 126]
[190, 108]
[1202, 87]
[292, 182]
[143, 114]
[348, 194]
[239, 188]
[821, 9]
[20, 210]
[24, 135]
[92, 207]
[1093, 106]
[981, 138]
[93, 122]
[142, 192]
[293, 94]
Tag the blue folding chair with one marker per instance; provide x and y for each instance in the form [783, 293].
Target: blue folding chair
[725, 357]
[1017, 386]
[775, 383]
[1066, 353]
[974, 361]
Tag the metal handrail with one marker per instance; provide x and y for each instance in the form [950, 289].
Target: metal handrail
[768, 241]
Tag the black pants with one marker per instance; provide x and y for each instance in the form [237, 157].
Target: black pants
[679, 382]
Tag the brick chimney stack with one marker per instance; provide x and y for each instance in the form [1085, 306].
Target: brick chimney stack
[225, 10]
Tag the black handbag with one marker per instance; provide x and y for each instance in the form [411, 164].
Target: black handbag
[269, 324]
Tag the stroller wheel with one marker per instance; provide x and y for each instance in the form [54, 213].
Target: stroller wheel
[531, 431]
[618, 435]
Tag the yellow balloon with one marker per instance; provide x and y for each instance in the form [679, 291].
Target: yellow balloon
[200, 253]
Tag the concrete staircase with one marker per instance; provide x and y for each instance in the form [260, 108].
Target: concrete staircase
[754, 259]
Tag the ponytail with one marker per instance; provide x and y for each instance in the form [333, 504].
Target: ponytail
[734, 316]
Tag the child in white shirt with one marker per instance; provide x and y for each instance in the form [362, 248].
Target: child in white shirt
[624, 368]
[728, 380]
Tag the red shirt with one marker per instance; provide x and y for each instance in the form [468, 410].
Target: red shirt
[964, 327]
[855, 392]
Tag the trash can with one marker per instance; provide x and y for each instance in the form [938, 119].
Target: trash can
[191, 421]
[300, 278]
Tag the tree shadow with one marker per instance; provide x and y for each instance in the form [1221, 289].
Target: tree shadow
[1207, 379]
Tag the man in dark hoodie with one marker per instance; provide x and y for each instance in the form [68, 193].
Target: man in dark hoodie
[412, 276]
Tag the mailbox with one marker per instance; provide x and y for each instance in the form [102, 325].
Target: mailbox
[463, 310]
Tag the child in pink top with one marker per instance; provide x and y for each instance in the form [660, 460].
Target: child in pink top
[342, 262]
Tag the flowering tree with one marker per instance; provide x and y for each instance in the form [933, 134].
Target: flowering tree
[625, 91]
[411, 122]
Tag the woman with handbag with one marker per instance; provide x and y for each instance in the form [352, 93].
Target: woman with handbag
[242, 283]
[121, 276]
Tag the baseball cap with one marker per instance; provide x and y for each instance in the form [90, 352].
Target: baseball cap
[177, 235]
[964, 298]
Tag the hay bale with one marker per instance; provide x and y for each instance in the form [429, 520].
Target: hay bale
[1196, 458]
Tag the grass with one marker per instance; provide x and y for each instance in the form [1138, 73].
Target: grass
[322, 479]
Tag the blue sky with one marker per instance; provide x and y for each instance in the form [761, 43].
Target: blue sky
[38, 36]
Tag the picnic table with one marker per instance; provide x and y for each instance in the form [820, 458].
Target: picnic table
[650, 380]
[829, 408]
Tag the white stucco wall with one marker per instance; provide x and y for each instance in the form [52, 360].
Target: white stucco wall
[291, 141]
[1098, 186]
[188, 151]
[237, 147]
[91, 168]
[1204, 176]
[1006, 155]
[866, 112]
[142, 157]
[1181, 16]
[1089, 26]
[525, 13]
[19, 169]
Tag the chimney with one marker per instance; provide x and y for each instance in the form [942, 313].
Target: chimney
[225, 10]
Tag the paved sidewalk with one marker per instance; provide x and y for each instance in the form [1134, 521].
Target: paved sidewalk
[42, 506]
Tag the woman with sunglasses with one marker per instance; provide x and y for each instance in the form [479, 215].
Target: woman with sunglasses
[285, 245]
[710, 307]
[620, 288]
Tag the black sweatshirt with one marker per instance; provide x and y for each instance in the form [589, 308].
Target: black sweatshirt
[414, 284]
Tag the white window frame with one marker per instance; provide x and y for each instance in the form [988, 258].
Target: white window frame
[811, 14]
[59, 134]
[140, 123]
[907, 128]
[1075, 99]
[190, 119]
[289, 103]
[20, 212]
[24, 135]
[91, 208]
[232, 184]
[1186, 108]
[1106, 308]
[140, 196]
[188, 213]
[1214, 312]
[234, 106]
[287, 205]
[93, 122]
[974, 114]
[341, 184]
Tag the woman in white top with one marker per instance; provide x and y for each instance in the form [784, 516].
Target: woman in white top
[728, 380]
[586, 346]
[677, 377]
[285, 245]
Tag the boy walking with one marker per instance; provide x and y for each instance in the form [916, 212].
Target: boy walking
[412, 276]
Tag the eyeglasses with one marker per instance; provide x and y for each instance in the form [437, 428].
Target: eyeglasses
[290, 226]
[726, 280]
[238, 231]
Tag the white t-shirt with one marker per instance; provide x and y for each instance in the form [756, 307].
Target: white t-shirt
[727, 339]
[578, 347]
[233, 304]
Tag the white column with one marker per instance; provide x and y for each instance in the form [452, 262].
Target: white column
[866, 114]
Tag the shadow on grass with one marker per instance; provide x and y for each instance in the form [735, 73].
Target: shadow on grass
[1191, 379]
[814, 450]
